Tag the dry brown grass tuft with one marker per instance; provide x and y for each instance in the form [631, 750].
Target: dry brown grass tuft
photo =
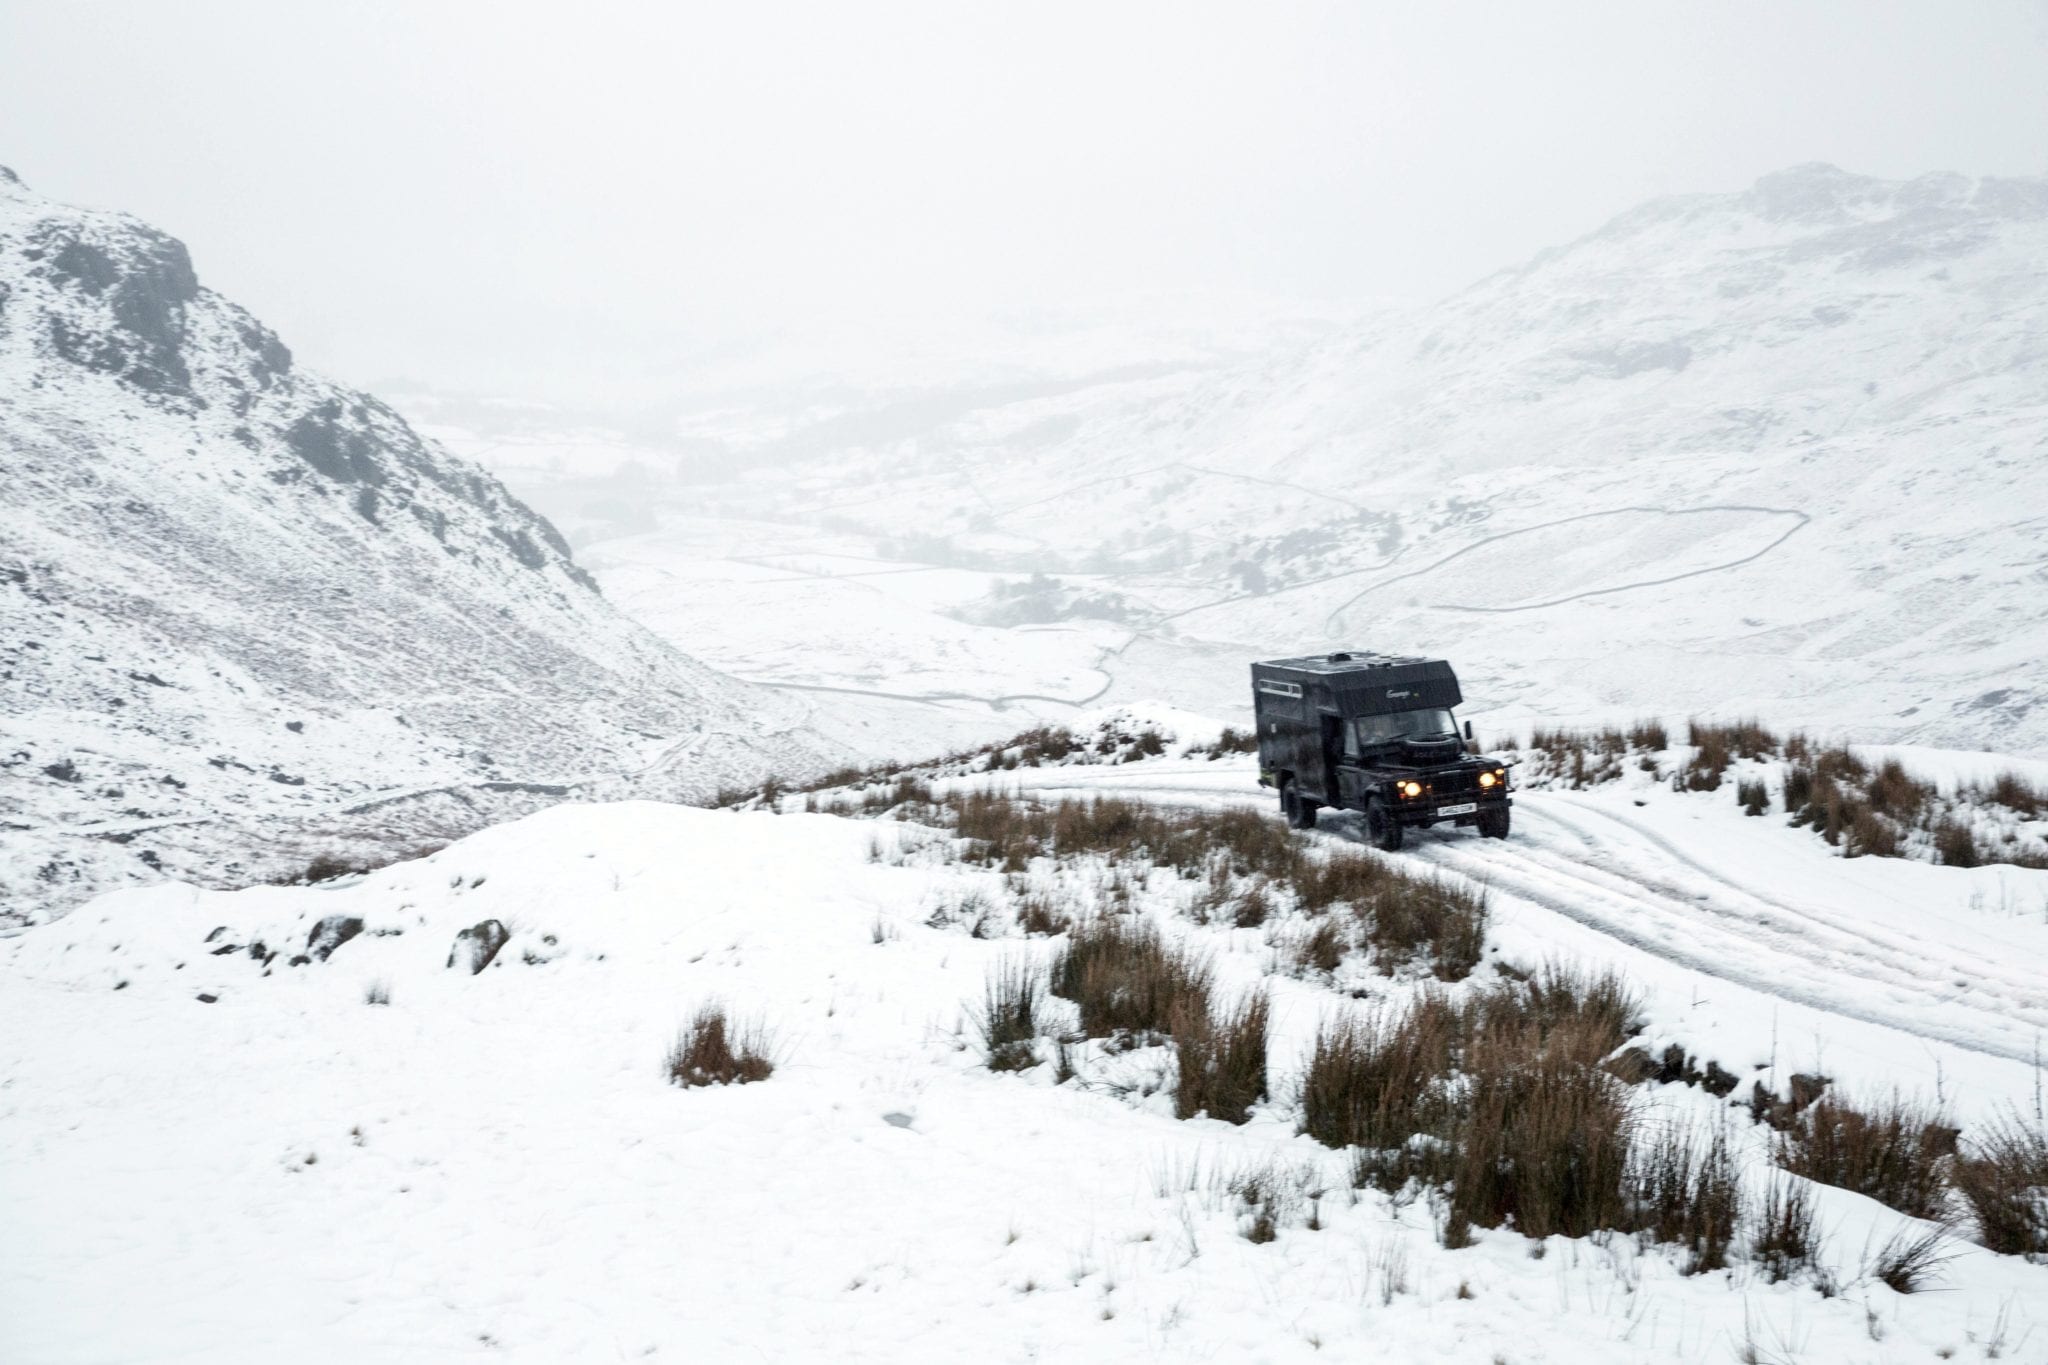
[331, 866]
[1715, 747]
[715, 1050]
[1542, 1138]
[1896, 1152]
[1595, 1012]
[1345, 875]
[1649, 735]
[1222, 1060]
[1319, 948]
[1433, 921]
[2002, 1173]
[1688, 1194]
[2016, 794]
[1376, 1079]
[1581, 758]
[1865, 811]
[1786, 1239]
[1231, 741]
[1956, 845]
[1126, 979]
[1404, 918]
[1007, 1021]
[1908, 1261]
[1500, 1100]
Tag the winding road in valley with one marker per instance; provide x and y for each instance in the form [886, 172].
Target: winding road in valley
[1333, 626]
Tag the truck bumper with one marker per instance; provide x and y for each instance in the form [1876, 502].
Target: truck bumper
[1450, 812]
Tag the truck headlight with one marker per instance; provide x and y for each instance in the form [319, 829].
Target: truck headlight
[1410, 788]
[1488, 779]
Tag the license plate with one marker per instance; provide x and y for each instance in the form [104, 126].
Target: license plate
[1465, 809]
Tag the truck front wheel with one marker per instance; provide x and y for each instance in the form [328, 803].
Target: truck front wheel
[1494, 823]
[1381, 827]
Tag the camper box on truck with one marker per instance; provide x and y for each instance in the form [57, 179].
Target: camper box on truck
[1376, 734]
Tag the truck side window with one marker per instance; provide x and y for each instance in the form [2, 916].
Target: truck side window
[1351, 740]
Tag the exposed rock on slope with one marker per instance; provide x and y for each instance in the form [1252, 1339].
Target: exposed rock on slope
[244, 609]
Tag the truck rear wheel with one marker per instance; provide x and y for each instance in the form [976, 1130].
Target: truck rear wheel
[1494, 823]
[1299, 810]
[1381, 827]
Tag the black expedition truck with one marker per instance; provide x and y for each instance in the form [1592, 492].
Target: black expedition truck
[1373, 733]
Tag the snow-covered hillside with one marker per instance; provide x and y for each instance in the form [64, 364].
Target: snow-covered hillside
[373, 1152]
[245, 612]
[1782, 451]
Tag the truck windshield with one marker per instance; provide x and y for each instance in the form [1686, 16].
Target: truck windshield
[1428, 723]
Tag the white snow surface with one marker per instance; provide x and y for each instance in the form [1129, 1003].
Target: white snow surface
[492, 1167]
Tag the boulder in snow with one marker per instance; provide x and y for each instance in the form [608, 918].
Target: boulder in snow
[478, 944]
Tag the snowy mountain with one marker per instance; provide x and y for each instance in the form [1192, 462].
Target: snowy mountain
[241, 602]
[1781, 451]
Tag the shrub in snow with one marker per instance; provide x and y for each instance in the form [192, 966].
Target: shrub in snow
[1268, 1196]
[1039, 915]
[1405, 919]
[1649, 735]
[327, 867]
[1577, 758]
[714, 1050]
[383, 851]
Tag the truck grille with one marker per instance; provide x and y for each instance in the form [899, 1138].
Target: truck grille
[1464, 783]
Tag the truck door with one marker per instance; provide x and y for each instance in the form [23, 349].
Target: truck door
[1329, 750]
[1350, 779]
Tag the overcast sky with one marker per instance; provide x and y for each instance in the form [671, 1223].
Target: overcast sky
[487, 194]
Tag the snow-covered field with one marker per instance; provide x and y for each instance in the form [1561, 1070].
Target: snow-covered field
[493, 1167]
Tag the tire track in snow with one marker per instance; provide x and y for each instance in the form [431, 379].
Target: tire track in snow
[1685, 912]
[1976, 964]
[1792, 953]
